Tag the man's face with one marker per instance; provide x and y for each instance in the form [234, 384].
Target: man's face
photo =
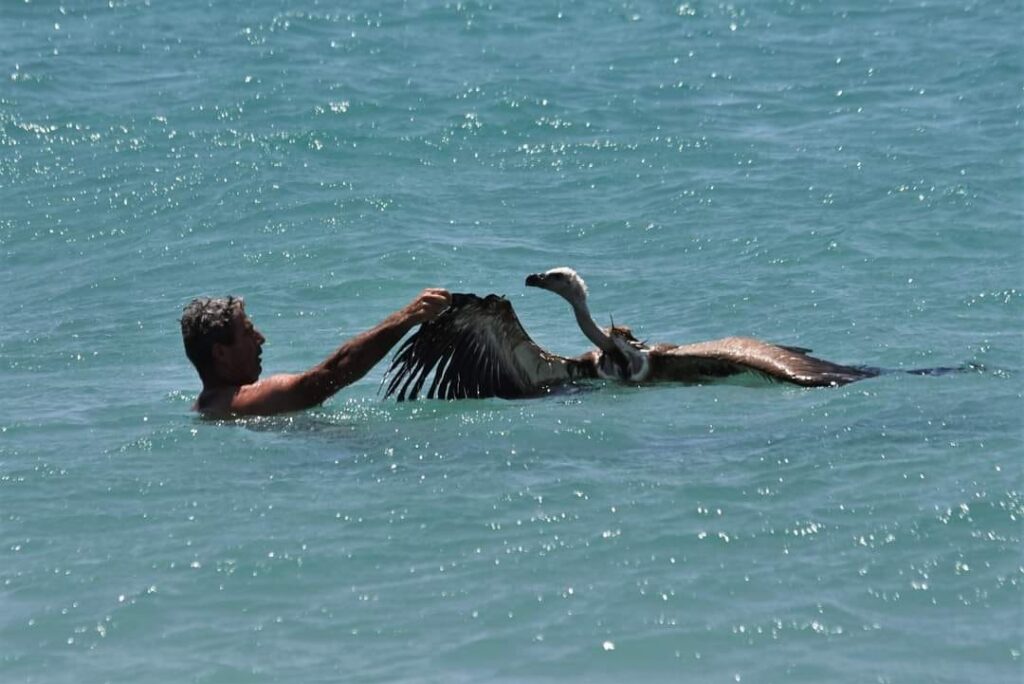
[239, 362]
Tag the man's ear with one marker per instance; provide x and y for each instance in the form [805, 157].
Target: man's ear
[217, 352]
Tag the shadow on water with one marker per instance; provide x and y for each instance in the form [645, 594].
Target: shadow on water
[937, 371]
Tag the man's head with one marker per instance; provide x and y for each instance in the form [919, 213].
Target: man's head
[221, 341]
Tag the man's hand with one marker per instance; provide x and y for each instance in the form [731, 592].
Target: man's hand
[430, 304]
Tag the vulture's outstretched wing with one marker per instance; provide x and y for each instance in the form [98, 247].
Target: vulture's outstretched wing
[476, 349]
[707, 361]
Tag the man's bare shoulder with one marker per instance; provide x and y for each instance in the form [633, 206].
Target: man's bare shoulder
[262, 398]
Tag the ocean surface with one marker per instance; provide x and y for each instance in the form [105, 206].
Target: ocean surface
[841, 176]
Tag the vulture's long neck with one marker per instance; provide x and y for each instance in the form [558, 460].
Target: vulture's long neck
[588, 326]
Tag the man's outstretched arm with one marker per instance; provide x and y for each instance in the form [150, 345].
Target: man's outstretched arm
[349, 362]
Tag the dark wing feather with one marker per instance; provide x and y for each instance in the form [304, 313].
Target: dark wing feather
[721, 358]
[476, 349]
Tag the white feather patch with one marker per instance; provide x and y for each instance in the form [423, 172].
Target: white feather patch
[572, 275]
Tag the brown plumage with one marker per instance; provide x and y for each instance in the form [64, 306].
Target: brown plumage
[706, 361]
[477, 349]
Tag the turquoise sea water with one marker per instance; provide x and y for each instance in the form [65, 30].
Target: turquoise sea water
[842, 177]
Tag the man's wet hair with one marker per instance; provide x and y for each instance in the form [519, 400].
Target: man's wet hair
[207, 321]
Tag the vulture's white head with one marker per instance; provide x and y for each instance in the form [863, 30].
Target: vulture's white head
[562, 281]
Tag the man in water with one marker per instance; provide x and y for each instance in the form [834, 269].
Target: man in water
[224, 346]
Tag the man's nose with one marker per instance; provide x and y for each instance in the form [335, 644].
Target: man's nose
[260, 337]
